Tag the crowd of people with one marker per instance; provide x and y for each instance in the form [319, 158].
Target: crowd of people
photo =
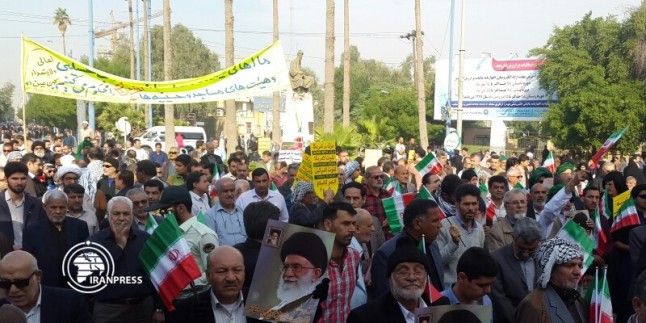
[489, 232]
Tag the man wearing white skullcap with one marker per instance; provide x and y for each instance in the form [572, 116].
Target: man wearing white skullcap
[556, 300]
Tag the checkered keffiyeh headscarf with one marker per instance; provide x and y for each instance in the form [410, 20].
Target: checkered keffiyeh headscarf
[300, 189]
[555, 251]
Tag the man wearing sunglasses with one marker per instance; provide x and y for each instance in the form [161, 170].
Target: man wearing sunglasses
[20, 280]
[517, 270]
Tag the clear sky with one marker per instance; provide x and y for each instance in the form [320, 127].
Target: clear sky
[499, 27]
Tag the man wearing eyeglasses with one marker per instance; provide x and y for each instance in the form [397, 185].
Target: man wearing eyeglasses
[500, 235]
[407, 274]
[20, 280]
[304, 259]
[513, 177]
[139, 204]
[374, 180]
[517, 270]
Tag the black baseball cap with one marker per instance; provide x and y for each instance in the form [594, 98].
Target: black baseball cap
[171, 195]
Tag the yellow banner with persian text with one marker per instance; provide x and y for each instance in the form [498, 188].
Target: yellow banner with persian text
[48, 72]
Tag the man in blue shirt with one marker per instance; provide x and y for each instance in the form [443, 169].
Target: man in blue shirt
[476, 272]
[226, 218]
[158, 156]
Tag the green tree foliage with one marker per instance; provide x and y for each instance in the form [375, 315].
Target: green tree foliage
[113, 111]
[347, 137]
[51, 110]
[589, 65]
[6, 101]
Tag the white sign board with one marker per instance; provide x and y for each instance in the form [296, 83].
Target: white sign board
[290, 156]
[451, 142]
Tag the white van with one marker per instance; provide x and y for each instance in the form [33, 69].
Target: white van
[157, 135]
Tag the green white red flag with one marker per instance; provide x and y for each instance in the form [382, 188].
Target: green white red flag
[216, 176]
[424, 194]
[490, 214]
[168, 260]
[598, 296]
[611, 141]
[599, 235]
[151, 224]
[394, 208]
[392, 187]
[573, 232]
[549, 163]
[627, 216]
[431, 292]
[429, 164]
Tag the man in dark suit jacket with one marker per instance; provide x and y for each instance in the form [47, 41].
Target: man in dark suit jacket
[515, 262]
[56, 304]
[13, 221]
[421, 217]
[406, 261]
[49, 239]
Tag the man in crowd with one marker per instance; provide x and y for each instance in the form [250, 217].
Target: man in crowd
[261, 192]
[142, 154]
[35, 167]
[17, 209]
[226, 218]
[514, 177]
[339, 218]
[445, 194]
[223, 302]
[146, 170]
[233, 162]
[124, 182]
[555, 299]
[421, 218]
[107, 183]
[198, 183]
[402, 177]
[539, 197]
[256, 215]
[374, 182]
[497, 188]
[407, 274]
[460, 232]
[182, 164]
[117, 302]
[140, 215]
[304, 259]
[153, 189]
[50, 238]
[361, 242]
[343, 157]
[286, 188]
[501, 232]
[517, 270]
[20, 280]
[75, 207]
[476, 272]
[211, 157]
[158, 156]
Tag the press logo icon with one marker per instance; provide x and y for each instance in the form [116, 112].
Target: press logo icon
[89, 268]
[87, 265]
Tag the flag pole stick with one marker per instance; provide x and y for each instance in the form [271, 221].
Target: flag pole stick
[595, 295]
[603, 288]
[464, 244]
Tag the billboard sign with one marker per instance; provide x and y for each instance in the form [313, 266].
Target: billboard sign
[505, 90]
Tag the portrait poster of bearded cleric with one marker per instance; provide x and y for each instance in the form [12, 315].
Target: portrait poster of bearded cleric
[288, 279]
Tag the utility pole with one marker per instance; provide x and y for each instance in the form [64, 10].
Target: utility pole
[145, 51]
[411, 36]
[328, 107]
[169, 114]
[346, 63]
[276, 133]
[132, 40]
[231, 125]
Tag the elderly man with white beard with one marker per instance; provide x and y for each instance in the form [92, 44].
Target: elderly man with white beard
[501, 232]
[536, 206]
[305, 260]
[408, 270]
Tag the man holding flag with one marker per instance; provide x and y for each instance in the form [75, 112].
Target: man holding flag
[201, 240]
[421, 218]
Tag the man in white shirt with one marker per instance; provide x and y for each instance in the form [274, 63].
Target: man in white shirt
[197, 183]
[261, 192]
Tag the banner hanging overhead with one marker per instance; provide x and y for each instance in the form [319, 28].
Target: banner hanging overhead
[47, 72]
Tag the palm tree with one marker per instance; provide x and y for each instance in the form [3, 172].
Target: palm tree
[328, 105]
[62, 19]
[230, 126]
[346, 63]
[169, 114]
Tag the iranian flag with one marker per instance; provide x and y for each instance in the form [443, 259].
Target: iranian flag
[392, 187]
[424, 194]
[151, 224]
[549, 163]
[614, 137]
[431, 292]
[573, 232]
[394, 208]
[627, 216]
[598, 296]
[598, 235]
[490, 214]
[168, 260]
[429, 164]
[273, 187]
